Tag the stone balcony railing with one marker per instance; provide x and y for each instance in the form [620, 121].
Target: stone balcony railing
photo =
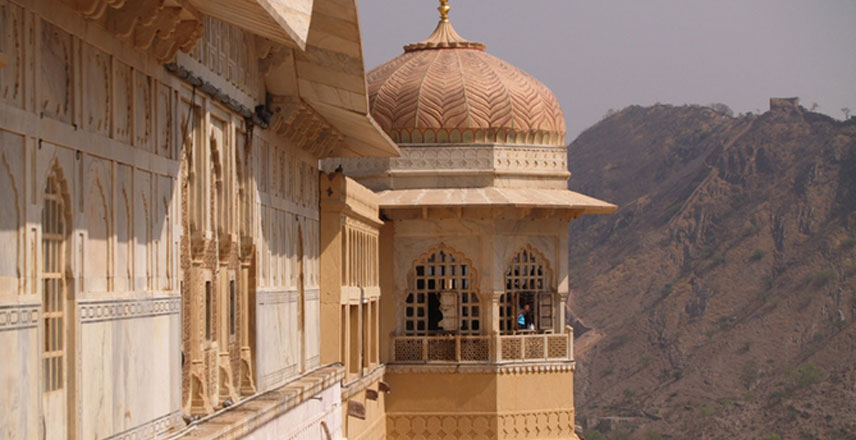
[484, 349]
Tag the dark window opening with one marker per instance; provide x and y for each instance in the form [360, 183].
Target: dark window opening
[209, 321]
[434, 313]
[232, 298]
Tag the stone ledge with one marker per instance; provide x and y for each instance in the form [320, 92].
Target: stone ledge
[254, 412]
[360, 384]
[453, 368]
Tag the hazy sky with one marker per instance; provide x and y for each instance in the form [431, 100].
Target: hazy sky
[602, 54]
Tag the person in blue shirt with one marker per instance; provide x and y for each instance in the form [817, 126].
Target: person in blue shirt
[521, 317]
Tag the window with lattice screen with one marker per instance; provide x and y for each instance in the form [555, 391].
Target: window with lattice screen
[527, 283]
[54, 286]
[442, 280]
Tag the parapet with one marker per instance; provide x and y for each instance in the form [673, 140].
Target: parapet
[785, 103]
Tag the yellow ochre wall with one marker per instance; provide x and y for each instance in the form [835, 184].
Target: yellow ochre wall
[510, 402]
[345, 204]
[374, 425]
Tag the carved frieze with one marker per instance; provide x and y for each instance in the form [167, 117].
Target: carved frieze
[554, 423]
[451, 425]
[19, 316]
[114, 310]
[506, 159]
[540, 367]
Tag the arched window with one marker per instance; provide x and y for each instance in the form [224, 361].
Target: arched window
[527, 303]
[441, 296]
[217, 180]
[58, 308]
[54, 285]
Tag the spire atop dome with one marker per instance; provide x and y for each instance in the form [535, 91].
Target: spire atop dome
[444, 9]
[444, 35]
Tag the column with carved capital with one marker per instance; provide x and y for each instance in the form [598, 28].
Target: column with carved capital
[247, 384]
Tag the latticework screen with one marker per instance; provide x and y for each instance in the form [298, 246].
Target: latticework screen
[442, 271]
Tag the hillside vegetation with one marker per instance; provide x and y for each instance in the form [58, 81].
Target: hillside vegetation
[721, 297]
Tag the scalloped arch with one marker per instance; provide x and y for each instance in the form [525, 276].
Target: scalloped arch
[62, 186]
[540, 257]
[422, 258]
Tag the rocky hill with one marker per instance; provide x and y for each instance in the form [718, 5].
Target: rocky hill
[721, 297]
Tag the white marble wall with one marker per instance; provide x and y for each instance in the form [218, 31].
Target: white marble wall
[79, 104]
[106, 119]
[131, 364]
[304, 422]
[19, 413]
[277, 358]
[288, 212]
[278, 339]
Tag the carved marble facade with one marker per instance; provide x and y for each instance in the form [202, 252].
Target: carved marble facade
[176, 265]
[162, 236]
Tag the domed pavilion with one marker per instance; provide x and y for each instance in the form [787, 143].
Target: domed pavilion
[474, 247]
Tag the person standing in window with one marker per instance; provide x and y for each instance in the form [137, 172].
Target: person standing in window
[521, 317]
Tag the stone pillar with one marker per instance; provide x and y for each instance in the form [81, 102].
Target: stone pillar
[562, 288]
[247, 384]
[200, 402]
[224, 360]
[389, 295]
[489, 286]
[494, 314]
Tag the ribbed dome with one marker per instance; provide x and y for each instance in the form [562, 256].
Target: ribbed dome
[448, 90]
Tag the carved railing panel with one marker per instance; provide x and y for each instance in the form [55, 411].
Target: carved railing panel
[557, 347]
[534, 347]
[512, 347]
[479, 349]
[408, 349]
[475, 349]
[442, 350]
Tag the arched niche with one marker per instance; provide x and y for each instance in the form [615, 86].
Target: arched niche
[529, 291]
[442, 295]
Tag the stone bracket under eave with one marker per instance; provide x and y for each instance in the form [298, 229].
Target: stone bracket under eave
[362, 136]
[350, 134]
[298, 122]
[158, 27]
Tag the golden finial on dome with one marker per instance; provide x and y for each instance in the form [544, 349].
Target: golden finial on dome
[444, 36]
[444, 10]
